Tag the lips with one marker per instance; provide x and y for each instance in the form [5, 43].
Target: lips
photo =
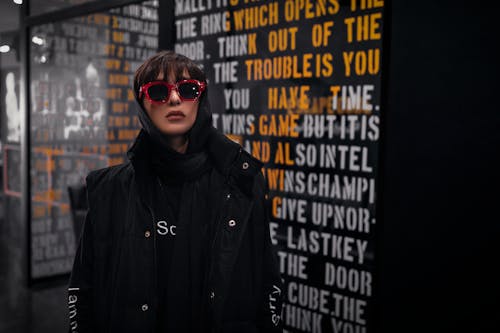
[175, 115]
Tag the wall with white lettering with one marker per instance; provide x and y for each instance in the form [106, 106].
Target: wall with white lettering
[298, 84]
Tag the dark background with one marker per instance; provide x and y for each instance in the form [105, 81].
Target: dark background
[439, 191]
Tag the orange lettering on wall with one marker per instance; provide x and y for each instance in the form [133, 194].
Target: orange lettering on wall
[283, 154]
[261, 150]
[276, 203]
[275, 178]
[279, 125]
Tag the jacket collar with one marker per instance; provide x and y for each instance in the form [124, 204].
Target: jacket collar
[235, 164]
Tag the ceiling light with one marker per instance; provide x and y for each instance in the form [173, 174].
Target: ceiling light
[4, 48]
[37, 40]
[19, 2]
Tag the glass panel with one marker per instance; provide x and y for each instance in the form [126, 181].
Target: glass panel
[81, 78]
[12, 229]
[10, 18]
[46, 6]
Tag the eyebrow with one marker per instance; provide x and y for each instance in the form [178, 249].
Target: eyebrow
[183, 77]
[180, 79]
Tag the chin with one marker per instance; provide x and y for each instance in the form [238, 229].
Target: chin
[174, 131]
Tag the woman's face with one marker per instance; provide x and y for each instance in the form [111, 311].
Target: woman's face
[174, 117]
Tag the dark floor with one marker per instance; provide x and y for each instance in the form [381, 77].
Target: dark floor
[40, 310]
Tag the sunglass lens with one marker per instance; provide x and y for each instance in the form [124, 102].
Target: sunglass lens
[189, 90]
[158, 92]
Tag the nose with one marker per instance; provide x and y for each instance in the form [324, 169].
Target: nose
[174, 98]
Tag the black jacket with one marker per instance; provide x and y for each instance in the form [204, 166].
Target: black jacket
[113, 285]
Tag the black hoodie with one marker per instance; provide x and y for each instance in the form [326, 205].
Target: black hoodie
[180, 205]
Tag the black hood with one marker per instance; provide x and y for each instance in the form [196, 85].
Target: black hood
[222, 151]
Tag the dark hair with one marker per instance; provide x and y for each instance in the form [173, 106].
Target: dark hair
[166, 62]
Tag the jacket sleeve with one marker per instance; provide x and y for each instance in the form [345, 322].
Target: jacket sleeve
[273, 285]
[80, 283]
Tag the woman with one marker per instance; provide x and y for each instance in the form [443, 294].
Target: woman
[177, 239]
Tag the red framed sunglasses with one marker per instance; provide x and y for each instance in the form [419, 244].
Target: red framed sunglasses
[158, 92]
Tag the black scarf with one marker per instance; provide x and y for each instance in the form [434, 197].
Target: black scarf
[187, 174]
[198, 135]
